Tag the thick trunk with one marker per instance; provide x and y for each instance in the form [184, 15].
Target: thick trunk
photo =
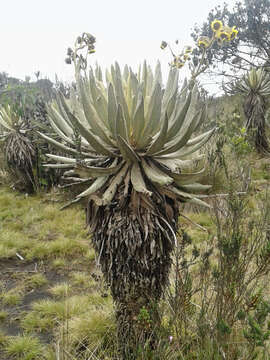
[134, 245]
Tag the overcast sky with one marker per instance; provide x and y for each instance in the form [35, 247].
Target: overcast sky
[34, 34]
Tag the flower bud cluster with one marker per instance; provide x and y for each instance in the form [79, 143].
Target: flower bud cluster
[178, 60]
[85, 40]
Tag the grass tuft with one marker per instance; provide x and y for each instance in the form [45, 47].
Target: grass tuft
[11, 297]
[60, 290]
[36, 281]
[3, 315]
[24, 347]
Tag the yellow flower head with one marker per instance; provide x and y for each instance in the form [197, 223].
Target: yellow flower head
[204, 41]
[224, 35]
[216, 25]
[186, 57]
[234, 32]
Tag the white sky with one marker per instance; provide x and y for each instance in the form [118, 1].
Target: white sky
[35, 34]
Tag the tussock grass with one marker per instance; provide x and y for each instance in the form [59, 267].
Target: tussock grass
[59, 263]
[3, 339]
[60, 290]
[36, 281]
[47, 314]
[3, 315]
[12, 242]
[95, 331]
[11, 297]
[82, 280]
[24, 347]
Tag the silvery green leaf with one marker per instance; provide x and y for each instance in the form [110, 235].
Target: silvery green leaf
[94, 142]
[150, 81]
[160, 140]
[199, 202]
[199, 138]
[126, 73]
[97, 184]
[179, 118]
[111, 190]
[97, 97]
[93, 171]
[59, 121]
[58, 166]
[138, 181]
[181, 140]
[196, 187]
[190, 198]
[153, 116]
[120, 95]
[62, 159]
[172, 164]
[187, 150]
[58, 144]
[5, 120]
[158, 74]
[120, 123]
[91, 115]
[112, 109]
[64, 137]
[144, 78]
[126, 150]
[139, 120]
[171, 86]
[156, 175]
[186, 178]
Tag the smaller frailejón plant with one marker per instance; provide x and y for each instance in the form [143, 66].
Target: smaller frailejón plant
[255, 85]
[134, 147]
[19, 151]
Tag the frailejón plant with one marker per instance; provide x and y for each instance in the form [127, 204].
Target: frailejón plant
[255, 85]
[136, 143]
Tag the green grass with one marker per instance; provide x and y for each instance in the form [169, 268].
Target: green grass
[96, 330]
[3, 339]
[61, 290]
[3, 315]
[59, 263]
[11, 297]
[63, 247]
[81, 279]
[40, 232]
[36, 281]
[24, 347]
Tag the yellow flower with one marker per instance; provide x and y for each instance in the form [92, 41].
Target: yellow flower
[223, 35]
[234, 32]
[186, 56]
[216, 25]
[204, 41]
